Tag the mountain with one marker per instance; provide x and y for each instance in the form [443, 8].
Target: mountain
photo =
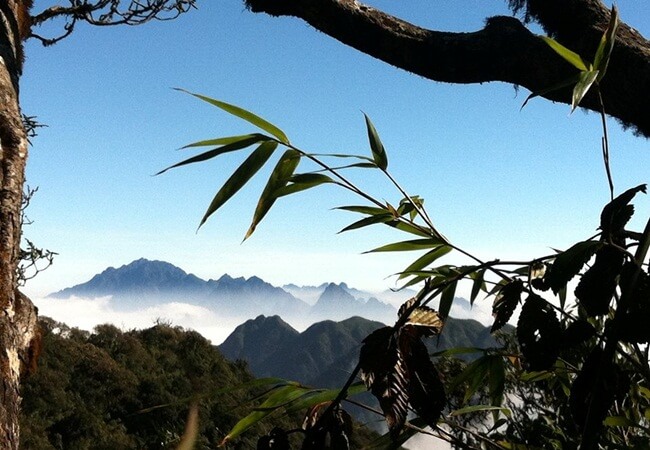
[144, 283]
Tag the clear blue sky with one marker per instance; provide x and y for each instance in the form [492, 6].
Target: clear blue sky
[498, 181]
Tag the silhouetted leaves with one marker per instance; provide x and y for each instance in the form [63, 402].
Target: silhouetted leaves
[598, 284]
[505, 303]
[593, 393]
[569, 263]
[327, 428]
[617, 213]
[538, 333]
[635, 321]
[577, 333]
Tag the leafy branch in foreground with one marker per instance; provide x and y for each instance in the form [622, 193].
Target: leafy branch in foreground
[587, 357]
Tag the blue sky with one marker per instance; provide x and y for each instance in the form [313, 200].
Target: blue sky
[498, 181]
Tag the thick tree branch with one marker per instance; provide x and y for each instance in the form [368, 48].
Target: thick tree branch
[502, 51]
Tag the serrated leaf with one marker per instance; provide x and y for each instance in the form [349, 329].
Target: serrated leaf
[425, 260]
[377, 148]
[447, 299]
[234, 146]
[426, 319]
[279, 178]
[585, 81]
[243, 114]
[569, 263]
[505, 303]
[240, 177]
[406, 246]
[539, 334]
[606, 45]
[568, 55]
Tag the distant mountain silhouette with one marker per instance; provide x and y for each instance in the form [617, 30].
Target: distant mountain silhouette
[144, 283]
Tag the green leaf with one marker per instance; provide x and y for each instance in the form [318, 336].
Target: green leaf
[446, 300]
[320, 396]
[474, 375]
[604, 51]
[237, 145]
[582, 87]
[377, 148]
[279, 178]
[243, 114]
[569, 263]
[241, 176]
[302, 182]
[425, 260]
[571, 81]
[497, 380]
[619, 421]
[477, 408]
[380, 218]
[569, 56]
[368, 210]
[405, 246]
[459, 350]
[281, 397]
[225, 140]
[477, 286]
[408, 228]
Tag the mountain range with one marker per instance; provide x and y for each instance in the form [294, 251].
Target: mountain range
[144, 283]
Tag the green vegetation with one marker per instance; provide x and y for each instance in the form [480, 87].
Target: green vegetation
[124, 390]
[578, 374]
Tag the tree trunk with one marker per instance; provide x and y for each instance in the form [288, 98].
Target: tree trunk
[18, 328]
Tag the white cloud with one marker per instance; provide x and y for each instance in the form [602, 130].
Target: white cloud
[86, 313]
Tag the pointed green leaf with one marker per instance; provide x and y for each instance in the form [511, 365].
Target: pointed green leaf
[377, 148]
[302, 182]
[225, 140]
[458, 351]
[343, 155]
[405, 246]
[604, 51]
[477, 286]
[497, 380]
[361, 165]
[237, 145]
[366, 221]
[241, 176]
[279, 178]
[243, 114]
[368, 210]
[446, 300]
[281, 397]
[582, 87]
[571, 81]
[319, 396]
[620, 421]
[408, 228]
[569, 56]
[425, 260]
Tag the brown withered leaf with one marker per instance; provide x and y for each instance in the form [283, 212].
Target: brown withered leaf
[426, 321]
[539, 333]
[332, 431]
[505, 304]
[383, 370]
[426, 391]
[598, 284]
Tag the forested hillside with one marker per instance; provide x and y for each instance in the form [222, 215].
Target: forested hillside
[97, 390]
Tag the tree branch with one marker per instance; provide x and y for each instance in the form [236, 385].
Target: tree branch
[504, 50]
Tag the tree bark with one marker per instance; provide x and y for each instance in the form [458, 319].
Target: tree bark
[504, 50]
[18, 328]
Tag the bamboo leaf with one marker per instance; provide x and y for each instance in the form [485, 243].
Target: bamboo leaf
[243, 114]
[320, 396]
[377, 148]
[279, 178]
[237, 145]
[604, 51]
[425, 260]
[447, 299]
[477, 286]
[571, 81]
[568, 55]
[240, 177]
[478, 408]
[225, 140]
[582, 87]
[368, 210]
[405, 246]
[302, 182]
[366, 221]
